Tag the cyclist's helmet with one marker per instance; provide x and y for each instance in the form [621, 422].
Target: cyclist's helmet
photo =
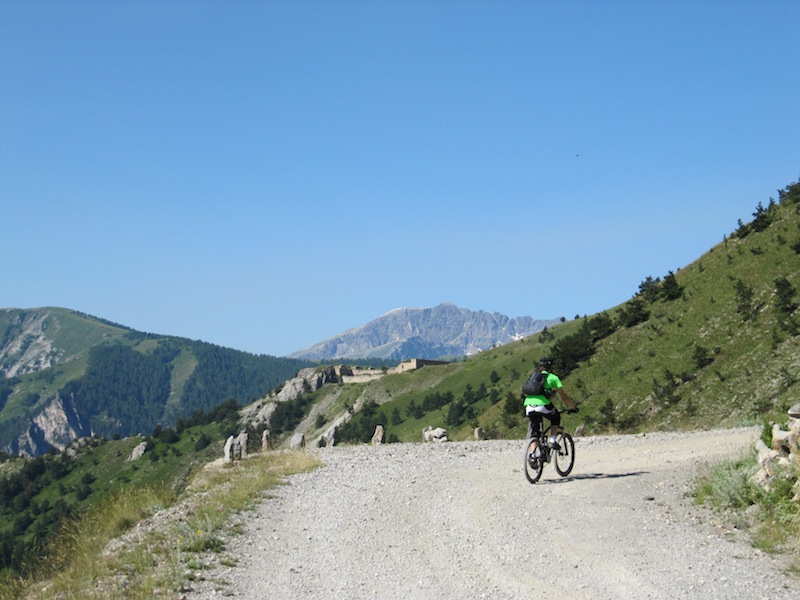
[546, 363]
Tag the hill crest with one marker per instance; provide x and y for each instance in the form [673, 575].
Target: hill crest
[64, 374]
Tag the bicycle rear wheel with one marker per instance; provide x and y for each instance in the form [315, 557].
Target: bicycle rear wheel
[534, 460]
[565, 455]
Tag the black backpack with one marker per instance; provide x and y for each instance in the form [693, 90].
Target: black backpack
[535, 384]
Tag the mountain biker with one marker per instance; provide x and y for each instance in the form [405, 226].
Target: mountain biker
[538, 406]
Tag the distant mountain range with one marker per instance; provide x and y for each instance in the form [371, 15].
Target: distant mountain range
[442, 331]
[681, 353]
[64, 374]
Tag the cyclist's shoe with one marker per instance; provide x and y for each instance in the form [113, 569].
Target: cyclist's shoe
[553, 443]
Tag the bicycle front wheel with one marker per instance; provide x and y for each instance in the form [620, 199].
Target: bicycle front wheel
[565, 455]
[534, 460]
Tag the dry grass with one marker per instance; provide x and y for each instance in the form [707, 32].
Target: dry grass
[144, 543]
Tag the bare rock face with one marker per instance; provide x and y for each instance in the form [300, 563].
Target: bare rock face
[58, 425]
[329, 437]
[781, 460]
[29, 351]
[444, 330]
[429, 434]
[306, 380]
[138, 452]
[228, 449]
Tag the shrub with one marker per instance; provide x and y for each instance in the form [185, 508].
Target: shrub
[202, 442]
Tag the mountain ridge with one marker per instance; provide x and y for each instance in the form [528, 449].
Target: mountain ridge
[65, 374]
[444, 330]
[680, 354]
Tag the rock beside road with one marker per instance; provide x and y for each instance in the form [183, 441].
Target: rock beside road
[459, 520]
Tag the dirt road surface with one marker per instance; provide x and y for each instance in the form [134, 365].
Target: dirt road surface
[459, 520]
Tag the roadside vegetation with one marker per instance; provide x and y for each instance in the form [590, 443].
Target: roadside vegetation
[89, 559]
[59, 512]
[771, 516]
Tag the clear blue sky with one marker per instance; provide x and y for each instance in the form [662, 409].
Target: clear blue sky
[265, 175]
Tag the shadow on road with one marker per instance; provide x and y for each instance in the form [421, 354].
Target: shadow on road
[580, 476]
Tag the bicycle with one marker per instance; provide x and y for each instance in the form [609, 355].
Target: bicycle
[538, 452]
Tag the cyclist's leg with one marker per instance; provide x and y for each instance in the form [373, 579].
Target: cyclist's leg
[535, 424]
[555, 424]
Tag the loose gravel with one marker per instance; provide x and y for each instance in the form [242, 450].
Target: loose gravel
[459, 520]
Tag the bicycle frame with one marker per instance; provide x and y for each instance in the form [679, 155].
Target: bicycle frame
[543, 433]
[538, 452]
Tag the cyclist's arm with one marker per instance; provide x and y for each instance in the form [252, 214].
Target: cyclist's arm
[565, 399]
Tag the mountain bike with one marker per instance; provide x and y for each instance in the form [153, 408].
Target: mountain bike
[538, 452]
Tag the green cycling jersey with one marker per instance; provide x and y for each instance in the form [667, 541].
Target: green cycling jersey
[551, 383]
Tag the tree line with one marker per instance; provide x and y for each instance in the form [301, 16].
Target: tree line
[125, 392]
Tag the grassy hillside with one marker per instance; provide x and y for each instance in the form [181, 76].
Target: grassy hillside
[714, 344]
[58, 512]
[38, 495]
[725, 352]
[123, 382]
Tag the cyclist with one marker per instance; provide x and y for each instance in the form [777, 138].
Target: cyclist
[539, 405]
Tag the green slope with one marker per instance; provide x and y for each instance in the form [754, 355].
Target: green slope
[723, 350]
[721, 354]
[122, 381]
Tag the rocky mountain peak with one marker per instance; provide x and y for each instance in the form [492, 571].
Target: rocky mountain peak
[442, 331]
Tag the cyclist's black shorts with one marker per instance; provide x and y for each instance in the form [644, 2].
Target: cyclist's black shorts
[546, 410]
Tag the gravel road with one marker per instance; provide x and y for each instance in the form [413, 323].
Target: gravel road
[459, 520]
